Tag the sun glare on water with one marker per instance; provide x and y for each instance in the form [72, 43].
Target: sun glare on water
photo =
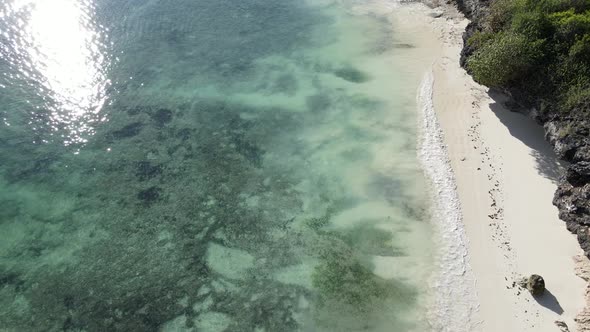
[57, 47]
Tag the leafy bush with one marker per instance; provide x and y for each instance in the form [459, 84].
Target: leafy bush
[580, 51]
[480, 38]
[534, 25]
[569, 24]
[501, 12]
[504, 59]
[576, 97]
[552, 6]
[539, 47]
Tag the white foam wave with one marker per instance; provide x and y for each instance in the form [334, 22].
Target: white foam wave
[455, 300]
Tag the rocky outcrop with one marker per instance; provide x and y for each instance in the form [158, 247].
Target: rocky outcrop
[473, 9]
[583, 271]
[569, 134]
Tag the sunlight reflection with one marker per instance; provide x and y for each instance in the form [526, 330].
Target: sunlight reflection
[56, 46]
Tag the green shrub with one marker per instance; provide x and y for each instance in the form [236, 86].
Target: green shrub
[570, 25]
[580, 51]
[501, 12]
[480, 38]
[532, 24]
[552, 6]
[541, 47]
[576, 97]
[504, 59]
[572, 70]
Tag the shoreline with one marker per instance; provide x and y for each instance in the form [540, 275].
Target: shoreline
[455, 306]
[505, 175]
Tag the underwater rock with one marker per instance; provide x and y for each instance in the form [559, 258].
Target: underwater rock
[11, 279]
[145, 170]
[149, 195]
[249, 150]
[351, 75]
[184, 134]
[40, 167]
[133, 110]
[536, 284]
[128, 131]
[162, 117]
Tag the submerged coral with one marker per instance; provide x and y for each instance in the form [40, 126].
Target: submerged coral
[186, 209]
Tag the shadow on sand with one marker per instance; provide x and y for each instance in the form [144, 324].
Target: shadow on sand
[549, 301]
[531, 134]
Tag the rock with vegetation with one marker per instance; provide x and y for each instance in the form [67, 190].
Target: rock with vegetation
[538, 52]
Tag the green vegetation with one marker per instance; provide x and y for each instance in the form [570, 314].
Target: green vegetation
[539, 47]
[505, 58]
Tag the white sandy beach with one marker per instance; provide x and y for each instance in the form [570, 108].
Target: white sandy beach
[505, 177]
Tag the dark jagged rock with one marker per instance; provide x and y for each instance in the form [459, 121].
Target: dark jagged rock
[584, 237]
[467, 50]
[536, 284]
[473, 9]
[578, 174]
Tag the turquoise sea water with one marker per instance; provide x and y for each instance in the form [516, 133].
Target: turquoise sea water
[208, 166]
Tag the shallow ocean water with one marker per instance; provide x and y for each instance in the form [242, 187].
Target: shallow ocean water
[209, 166]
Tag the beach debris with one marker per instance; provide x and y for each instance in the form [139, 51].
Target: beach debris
[562, 326]
[403, 45]
[535, 284]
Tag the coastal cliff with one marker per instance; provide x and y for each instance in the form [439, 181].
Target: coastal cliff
[567, 126]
